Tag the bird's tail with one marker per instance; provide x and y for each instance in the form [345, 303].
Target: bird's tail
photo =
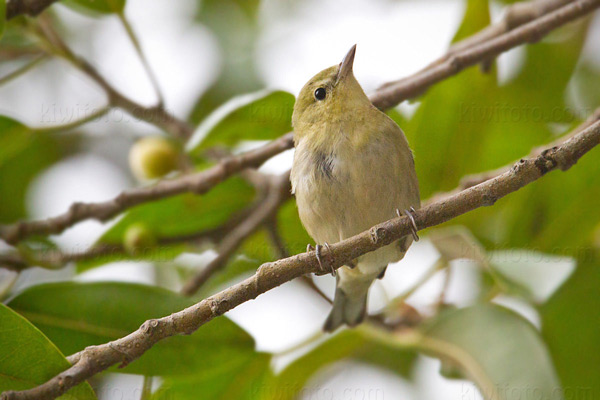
[347, 309]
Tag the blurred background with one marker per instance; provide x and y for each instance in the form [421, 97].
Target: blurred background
[522, 275]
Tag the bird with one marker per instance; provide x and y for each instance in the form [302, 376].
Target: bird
[352, 169]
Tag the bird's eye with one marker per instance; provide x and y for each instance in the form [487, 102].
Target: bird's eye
[320, 93]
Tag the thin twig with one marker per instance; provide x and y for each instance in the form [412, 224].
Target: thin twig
[384, 98]
[396, 301]
[531, 32]
[156, 115]
[278, 192]
[95, 359]
[9, 53]
[308, 282]
[56, 259]
[13, 262]
[146, 388]
[516, 15]
[441, 300]
[24, 69]
[198, 183]
[282, 252]
[138, 48]
[98, 113]
[271, 225]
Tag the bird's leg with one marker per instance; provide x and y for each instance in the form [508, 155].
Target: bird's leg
[410, 214]
[318, 254]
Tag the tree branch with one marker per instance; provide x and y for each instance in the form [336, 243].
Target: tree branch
[144, 60]
[27, 7]
[197, 183]
[516, 15]
[56, 259]
[384, 98]
[277, 192]
[531, 32]
[475, 179]
[25, 68]
[95, 359]
[155, 115]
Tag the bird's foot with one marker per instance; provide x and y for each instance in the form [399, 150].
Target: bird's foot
[317, 250]
[413, 228]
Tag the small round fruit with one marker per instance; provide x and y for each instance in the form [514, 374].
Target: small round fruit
[153, 157]
[138, 238]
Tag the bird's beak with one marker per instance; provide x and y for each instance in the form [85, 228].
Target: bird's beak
[346, 64]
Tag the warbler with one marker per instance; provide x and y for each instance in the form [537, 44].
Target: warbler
[352, 169]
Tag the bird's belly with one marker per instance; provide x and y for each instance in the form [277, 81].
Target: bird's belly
[322, 206]
[337, 203]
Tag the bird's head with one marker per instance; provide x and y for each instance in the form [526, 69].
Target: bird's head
[331, 96]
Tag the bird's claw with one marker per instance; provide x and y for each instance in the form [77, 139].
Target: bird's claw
[319, 259]
[413, 228]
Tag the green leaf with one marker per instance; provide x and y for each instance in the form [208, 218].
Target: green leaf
[476, 17]
[76, 315]
[290, 228]
[495, 348]
[28, 358]
[468, 124]
[263, 115]
[258, 248]
[571, 329]
[15, 42]
[215, 382]
[446, 141]
[541, 87]
[23, 154]
[233, 23]
[175, 217]
[96, 6]
[2, 17]
[209, 7]
[295, 237]
[186, 214]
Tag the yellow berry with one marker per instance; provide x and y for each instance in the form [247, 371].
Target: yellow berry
[153, 157]
[138, 238]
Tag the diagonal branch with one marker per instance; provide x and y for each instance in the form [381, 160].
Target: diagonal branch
[95, 359]
[25, 68]
[475, 179]
[198, 183]
[277, 193]
[142, 56]
[156, 115]
[531, 32]
[55, 259]
[516, 15]
[384, 98]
